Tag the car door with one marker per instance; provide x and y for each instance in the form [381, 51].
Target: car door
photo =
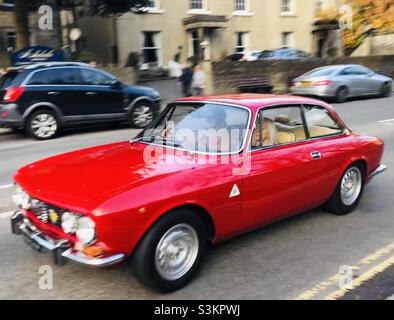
[57, 87]
[368, 83]
[282, 177]
[103, 95]
[353, 80]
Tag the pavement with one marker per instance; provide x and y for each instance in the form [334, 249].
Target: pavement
[304, 257]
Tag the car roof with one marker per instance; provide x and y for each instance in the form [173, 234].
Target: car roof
[254, 101]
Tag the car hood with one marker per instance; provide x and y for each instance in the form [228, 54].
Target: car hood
[83, 179]
[142, 90]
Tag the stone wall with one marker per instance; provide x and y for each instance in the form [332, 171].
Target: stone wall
[226, 75]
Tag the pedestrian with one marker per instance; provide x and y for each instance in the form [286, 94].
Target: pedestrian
[93, 64]
[199, 80]
[186, 80]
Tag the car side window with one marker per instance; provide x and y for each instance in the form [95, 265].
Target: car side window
[320, 123]
[92, 77]
[278, 126]
[61, 76]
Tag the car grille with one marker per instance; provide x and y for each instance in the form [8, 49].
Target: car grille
[46, 212]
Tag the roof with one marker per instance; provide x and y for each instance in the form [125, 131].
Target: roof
[255, 101]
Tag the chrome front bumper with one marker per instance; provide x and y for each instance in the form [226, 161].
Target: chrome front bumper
[61, 249]
[382, 168]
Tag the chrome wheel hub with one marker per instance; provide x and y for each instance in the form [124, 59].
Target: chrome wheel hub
[351, 186]
[143, 115]
[176, 252]
[43, 125]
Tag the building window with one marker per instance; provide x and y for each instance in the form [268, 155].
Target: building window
[154, 4]
[151, 48]
[287, 39]
[319, 5]
[287, 6]
[240, 5]
[197, 4]
[241, 41]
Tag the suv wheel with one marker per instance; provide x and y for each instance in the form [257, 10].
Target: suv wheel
[142, 115]
[42, 125]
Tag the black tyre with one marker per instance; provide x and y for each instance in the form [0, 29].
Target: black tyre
[349, 190]
[142, 115]
[42, 125]
[170, 254]
[386, 90]
[341, 95]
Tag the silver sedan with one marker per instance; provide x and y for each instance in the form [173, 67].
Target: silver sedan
[341, 82]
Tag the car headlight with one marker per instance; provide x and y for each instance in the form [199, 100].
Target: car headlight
[86, 232]
[21, 198]
[69, 222]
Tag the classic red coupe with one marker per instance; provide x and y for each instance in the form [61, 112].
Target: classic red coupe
[206, 170]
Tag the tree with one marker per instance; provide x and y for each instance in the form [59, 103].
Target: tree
[103, 8]
[368, 18]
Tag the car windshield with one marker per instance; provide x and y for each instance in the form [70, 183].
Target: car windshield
[200, 127]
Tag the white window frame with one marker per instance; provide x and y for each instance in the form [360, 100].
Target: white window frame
[291, 8]
[246, 41]
[156, 8]
[291, 39]
[203, 10]
[245, 12]
[159, 48]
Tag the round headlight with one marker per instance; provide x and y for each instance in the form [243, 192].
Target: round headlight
[86, 232]
[21, 198]
[69, 222]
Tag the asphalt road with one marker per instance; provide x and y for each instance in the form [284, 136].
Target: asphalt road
[296, 258]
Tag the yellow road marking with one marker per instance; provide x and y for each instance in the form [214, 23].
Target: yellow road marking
[362, 279]
[334, 280]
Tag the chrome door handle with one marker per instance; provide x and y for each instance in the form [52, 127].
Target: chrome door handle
[91, 93]
[316, 155]
[53, 93]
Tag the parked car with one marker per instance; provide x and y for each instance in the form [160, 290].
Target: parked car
[341, 82]
[44, 98]
[160, 199]
[244, 56]
[283, 54]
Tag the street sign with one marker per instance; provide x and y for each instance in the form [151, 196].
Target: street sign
[36, 54]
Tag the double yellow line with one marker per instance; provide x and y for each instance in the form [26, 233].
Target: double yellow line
[372, 265]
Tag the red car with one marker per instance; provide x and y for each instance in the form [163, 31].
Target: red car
[207, 170]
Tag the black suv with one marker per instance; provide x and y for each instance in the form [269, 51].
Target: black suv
[43, 98]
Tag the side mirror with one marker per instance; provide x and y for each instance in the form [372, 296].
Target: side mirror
[116, 84]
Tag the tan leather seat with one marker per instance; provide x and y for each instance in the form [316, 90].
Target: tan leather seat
[286, 137]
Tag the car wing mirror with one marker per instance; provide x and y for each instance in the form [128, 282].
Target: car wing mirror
[116, 84]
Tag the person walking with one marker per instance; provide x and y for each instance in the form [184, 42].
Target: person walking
[186, 80]
[199, 80]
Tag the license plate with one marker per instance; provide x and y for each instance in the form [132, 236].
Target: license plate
[305, 84]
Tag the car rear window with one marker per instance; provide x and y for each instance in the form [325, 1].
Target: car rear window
[7, 79]
[321, 72]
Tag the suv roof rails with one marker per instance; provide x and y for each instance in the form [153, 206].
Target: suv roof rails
[51, 64]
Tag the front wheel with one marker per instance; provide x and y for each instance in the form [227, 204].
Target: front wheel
[42, 125]
[171, 253]
[348, 192]
[142, 115]
[386, 90]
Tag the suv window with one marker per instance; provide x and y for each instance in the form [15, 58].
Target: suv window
[92, 77]
[278, 126]
[7, 79]
[320, 123]
[60, 76]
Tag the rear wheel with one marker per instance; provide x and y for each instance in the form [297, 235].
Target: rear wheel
[171, 252]
[142, 115]
[348, 192]
[386, 90]
[42, 125]
[341, 95]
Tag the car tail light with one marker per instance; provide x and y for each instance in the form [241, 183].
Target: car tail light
[322, 83]
[13, 94]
